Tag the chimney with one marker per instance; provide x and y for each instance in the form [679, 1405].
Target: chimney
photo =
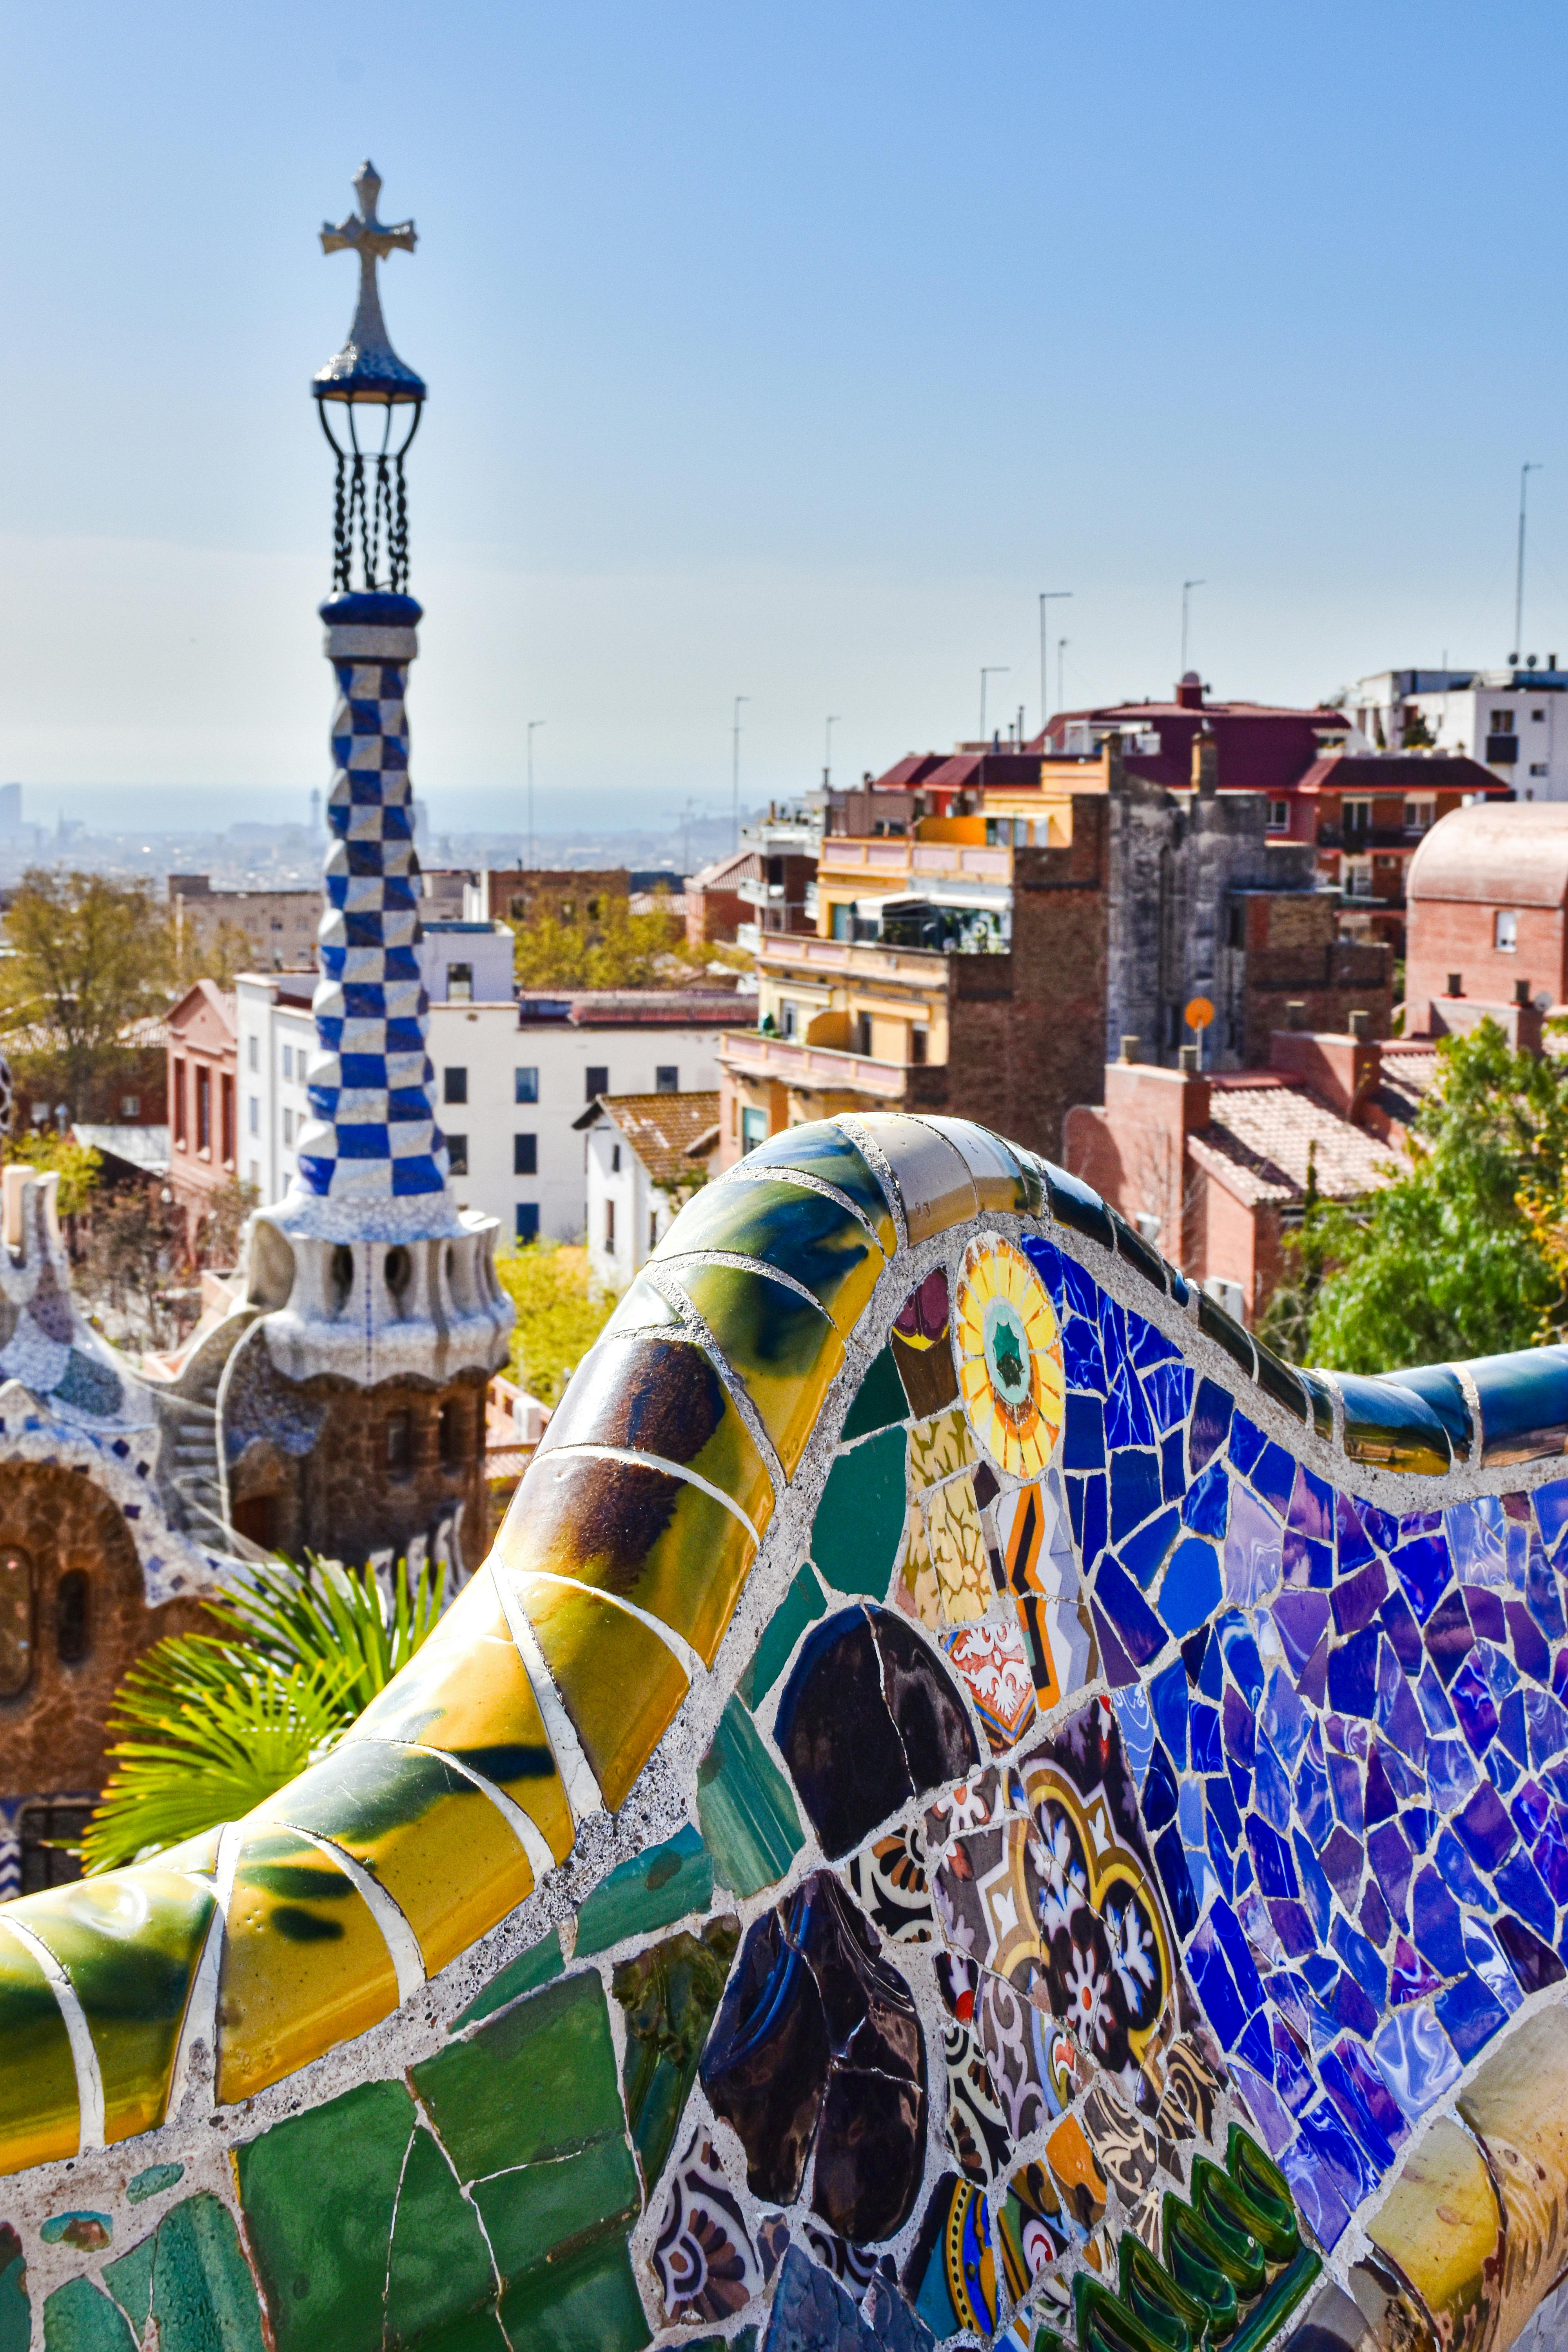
[1187, 1060]
[1456, 984]
[1190, 691]
[1521, 987]
[1130, 1049]
[1343, 1070]
[1295, 1012]
[1206, 760]
[1359, 1026]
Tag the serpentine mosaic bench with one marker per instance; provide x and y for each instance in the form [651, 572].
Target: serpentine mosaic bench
[969, 1804]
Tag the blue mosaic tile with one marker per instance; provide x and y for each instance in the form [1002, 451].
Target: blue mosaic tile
[1271, 1787]
[1206, 1507]
[1083, 1437]
[1145, 1552]
[1300, 1620]
[1191, 1589]
[1168, 1699]
[1254, 1564]
[1142, 1636]
[1469, 2014]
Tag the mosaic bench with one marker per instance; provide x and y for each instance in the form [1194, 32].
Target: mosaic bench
[971, 1804]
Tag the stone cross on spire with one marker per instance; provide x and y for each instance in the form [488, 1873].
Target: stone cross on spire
[367, 368]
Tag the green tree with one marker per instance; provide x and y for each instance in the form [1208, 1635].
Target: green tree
[207, 1724]
[88, 959]
[558, 1316]
[1453, 1257]
[620, 949]
[76, 1165]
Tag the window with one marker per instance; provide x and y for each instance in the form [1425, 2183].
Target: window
[526, 1086]
[44, 1832]
[596, 1081]
[226, 1117]
[73, 1616]
[455, 1086]
[253, 1053]
[525, 1155]
[16, 1622]
[130, 1106]
[863, 1034]
[256, 1114]
[399, 1441]
[786, 1018]
[460, 983]
[653, 1228]
[920, 1044]
[843, 922]
[203, 1110]
[1420, 814]
[1505, 931]
[527, 1225]
[454, 1430]
[754, 1130]
[1280, 817]
[1539, 768]
[610, 1227]
[457, 1154]
[1538, 717]
[615, 1159]
[667, 1079]
[1358, 878]
[1356, 817]
[288, 1129]
[288, 1061]
[179, 1105]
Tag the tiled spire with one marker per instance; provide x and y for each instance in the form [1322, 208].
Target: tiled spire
[372, 1135]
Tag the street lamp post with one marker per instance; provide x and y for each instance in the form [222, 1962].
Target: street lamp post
[735, 770]
[1187, 587]
[1047, 597]
[531, 725]
[828, 755]
[992, 670]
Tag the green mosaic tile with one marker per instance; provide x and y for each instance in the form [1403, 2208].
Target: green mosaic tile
[530, 1969]
[825, 1152]
[667, 1883]
[203, 2297]
[16, 2309]
[78, 2318]
[130, 2282]
[535, 2083]
[475, 2331]
[855, 1537]
[801, 1603]
[440, 2271]
[318, 2193]
[879, 1402]
[586, 2303]
[86, 2231]
[670, 1995]
[749, 1820]
[528, 2212]
[157, 2177]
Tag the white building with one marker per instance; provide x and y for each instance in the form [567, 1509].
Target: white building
[512, 1079]
[1513, 720]
[647, 1155]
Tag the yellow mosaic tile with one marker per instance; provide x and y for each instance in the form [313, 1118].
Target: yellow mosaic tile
[957, 1542]
[440, 1848]
[130, 1943]
[641, 1534]
[466, 1692]
[38, 2119]
[939, 1447]
[1516, 2105]
[620, 1683]
[803, 1234]
[1010, 1357]
[917, 1590]
[664, 1397]
[1442, 2228]
[936, 1187]
[304, 1964]
[786, 1351]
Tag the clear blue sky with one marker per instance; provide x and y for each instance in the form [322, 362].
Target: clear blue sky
[776, 351]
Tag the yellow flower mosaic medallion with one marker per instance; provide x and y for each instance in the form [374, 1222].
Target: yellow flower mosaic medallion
[1009, 1356]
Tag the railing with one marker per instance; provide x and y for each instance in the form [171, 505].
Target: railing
[799, 951]
[822, 1068]
[931, 861]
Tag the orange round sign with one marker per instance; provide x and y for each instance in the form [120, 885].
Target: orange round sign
[1199, 1013]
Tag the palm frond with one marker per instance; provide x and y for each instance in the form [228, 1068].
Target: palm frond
[208, 1725]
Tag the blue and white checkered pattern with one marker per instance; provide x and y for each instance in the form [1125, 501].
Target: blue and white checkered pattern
[372, 1133]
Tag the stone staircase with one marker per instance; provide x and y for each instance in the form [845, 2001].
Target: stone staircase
[190, 1464]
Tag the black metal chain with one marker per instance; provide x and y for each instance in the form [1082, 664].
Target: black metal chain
[371, 514]
[342, 549]
[397, 543]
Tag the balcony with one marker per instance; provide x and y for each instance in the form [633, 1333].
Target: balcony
[905, 864]
[802, 952]
[816, 1069]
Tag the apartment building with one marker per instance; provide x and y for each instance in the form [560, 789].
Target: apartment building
[646, 1154]
[279, 926]
[1512, 719]
[988, 962]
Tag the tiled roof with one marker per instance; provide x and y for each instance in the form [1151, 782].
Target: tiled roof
[662, 1128]
[1258, 1137]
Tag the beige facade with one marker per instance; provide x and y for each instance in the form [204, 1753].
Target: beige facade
[279, 926]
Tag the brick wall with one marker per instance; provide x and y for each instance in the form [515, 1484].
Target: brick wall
[1447, 935]
[52, 1734]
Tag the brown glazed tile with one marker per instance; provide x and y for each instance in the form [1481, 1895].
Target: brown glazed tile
[936, 1187]
[1392, 2320]
[1442, 2227]
[1517, 2107]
